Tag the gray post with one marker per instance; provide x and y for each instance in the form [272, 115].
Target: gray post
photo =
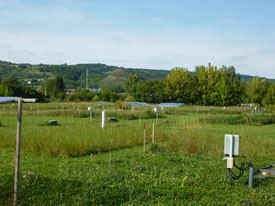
[230, 176]
[251, 175]
[17, 160]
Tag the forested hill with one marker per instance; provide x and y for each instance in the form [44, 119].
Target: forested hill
[100, 75]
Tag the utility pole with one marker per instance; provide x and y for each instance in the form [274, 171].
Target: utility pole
[87, 78]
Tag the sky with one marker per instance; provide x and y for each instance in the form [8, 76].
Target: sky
[152, 34]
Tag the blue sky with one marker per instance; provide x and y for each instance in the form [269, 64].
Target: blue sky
[155, 34]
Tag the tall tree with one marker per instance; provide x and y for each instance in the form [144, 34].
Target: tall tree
[257, 90]
[14, 87]
[131, 83]
[269, 98]
[54, 88]
[177, 85]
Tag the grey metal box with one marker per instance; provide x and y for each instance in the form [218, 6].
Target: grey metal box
[227, 144]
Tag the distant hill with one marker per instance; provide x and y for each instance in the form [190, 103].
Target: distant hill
[249, 78]
[100, 75]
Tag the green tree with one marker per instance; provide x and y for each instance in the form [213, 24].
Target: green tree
[14, 87]
[4, 90]
[54, 88]
[269, 98]
[177, 85]
[131, 84]
[257, 90]
[153, 91]
[201, 76]
[29, 92]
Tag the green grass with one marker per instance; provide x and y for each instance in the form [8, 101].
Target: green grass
[79, 163]
[129, 177]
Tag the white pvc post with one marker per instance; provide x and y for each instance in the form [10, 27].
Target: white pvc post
[103, 119]
[139, 120]
[156, 111]
[90, 109]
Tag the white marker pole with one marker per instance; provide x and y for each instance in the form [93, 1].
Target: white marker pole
[103, 119]
[90, 109]
[153, 134]
[144, 139]
[139, 120]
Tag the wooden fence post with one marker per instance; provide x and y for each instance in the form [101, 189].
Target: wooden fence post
[17, 160]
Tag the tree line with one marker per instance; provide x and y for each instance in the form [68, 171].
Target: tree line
[12, 87]
[205, 86]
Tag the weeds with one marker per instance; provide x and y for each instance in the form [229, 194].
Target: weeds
[257, 119]
[192, 141]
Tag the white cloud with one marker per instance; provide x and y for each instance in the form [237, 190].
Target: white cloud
[56, 35]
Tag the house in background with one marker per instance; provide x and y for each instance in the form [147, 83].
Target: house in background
[69, 91]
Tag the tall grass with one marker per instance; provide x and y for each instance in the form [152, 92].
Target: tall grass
[257, 119]
[124, 115]
[192, 140]
[78, 137]
[73, 137]
[205, 110]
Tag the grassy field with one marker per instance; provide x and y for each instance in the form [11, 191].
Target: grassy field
[79, 163]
